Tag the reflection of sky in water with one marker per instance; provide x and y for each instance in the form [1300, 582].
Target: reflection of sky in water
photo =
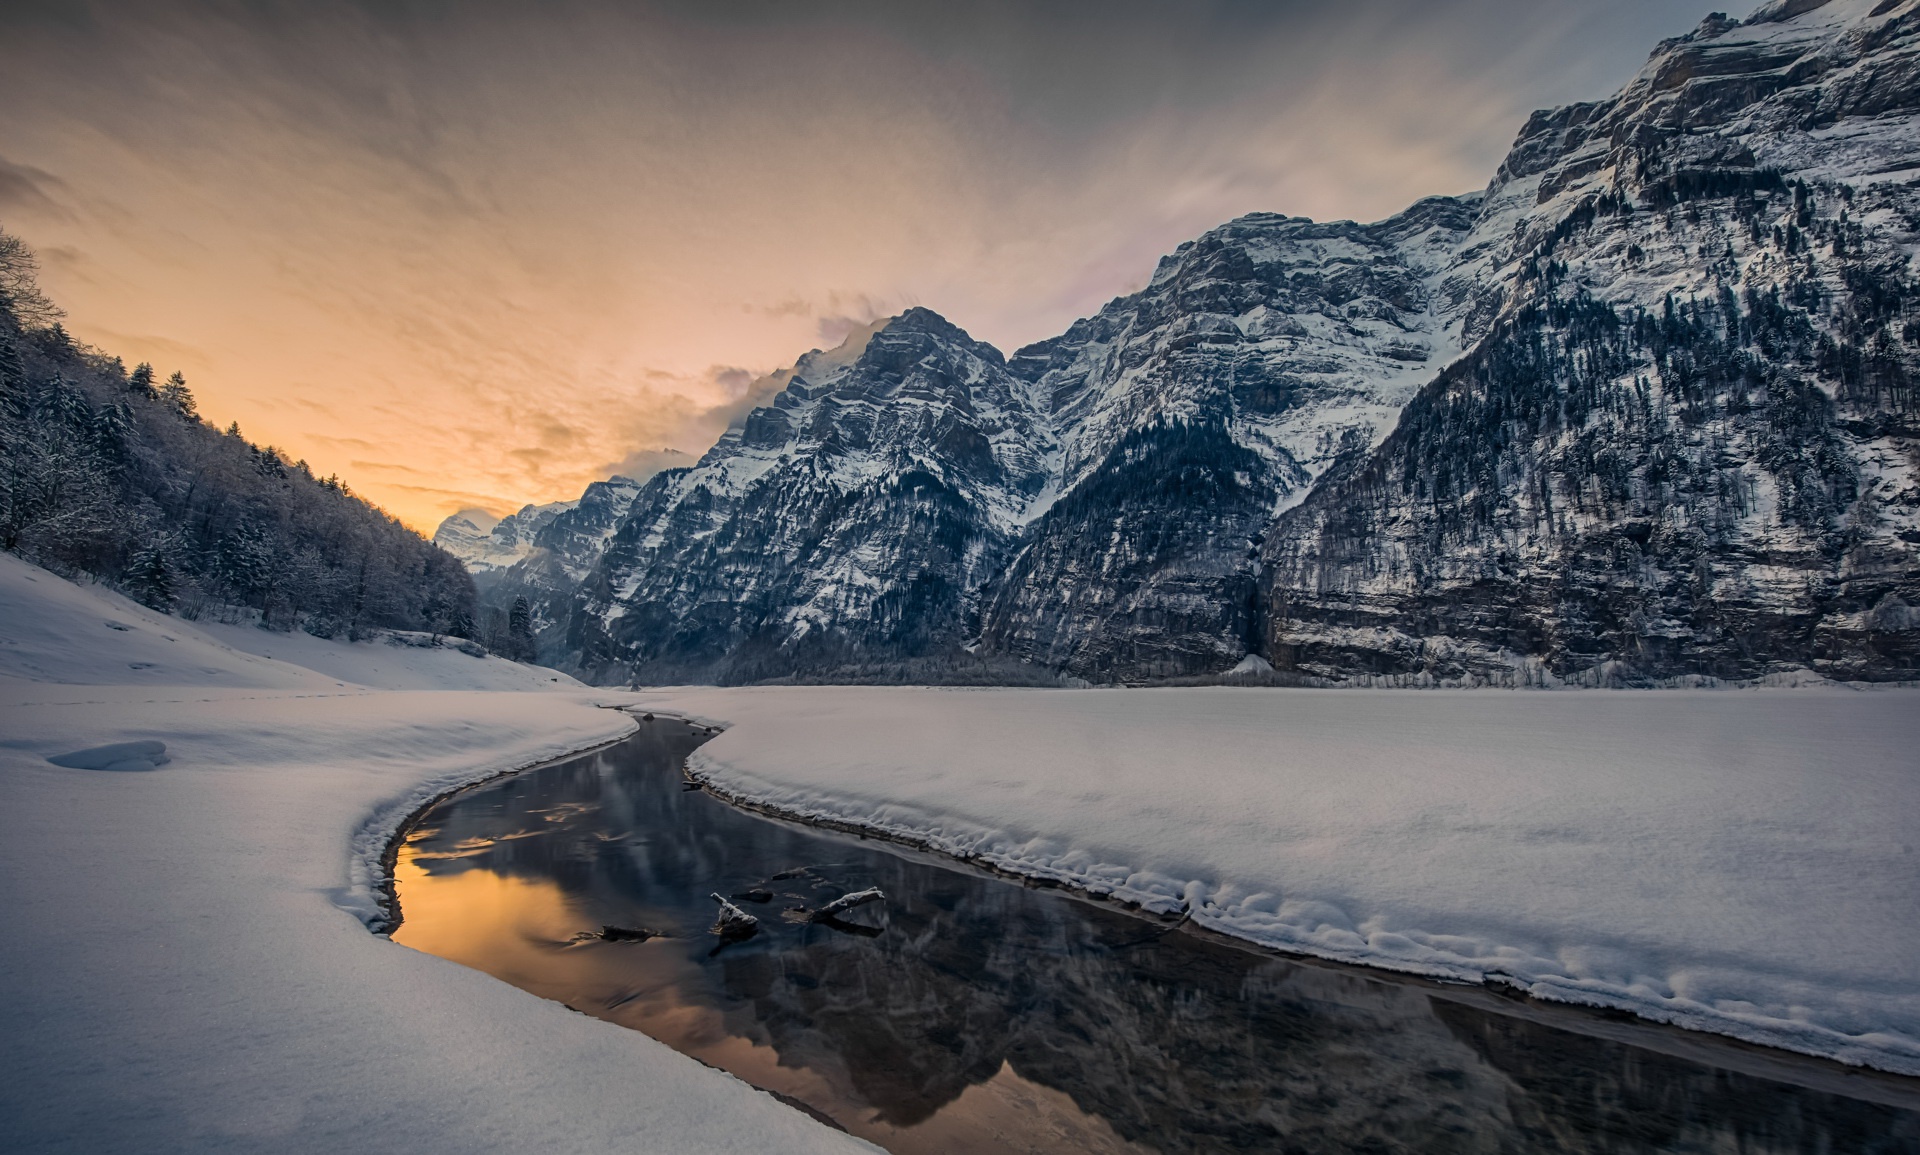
[984, 1016]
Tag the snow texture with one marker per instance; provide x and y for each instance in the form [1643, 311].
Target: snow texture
[187, 960]
[1740, 862]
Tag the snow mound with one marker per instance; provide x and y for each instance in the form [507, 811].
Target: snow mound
[1251, 664]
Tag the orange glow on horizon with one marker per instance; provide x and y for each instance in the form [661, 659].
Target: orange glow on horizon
[486, 263]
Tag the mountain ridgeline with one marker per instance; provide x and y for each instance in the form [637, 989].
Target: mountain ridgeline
[1642, 411]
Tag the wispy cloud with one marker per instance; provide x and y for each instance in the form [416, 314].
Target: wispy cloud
[512, 247]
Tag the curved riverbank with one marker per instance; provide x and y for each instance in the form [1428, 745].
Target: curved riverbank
[1496, 995]
[376, 845]
[965, 999]
[1728, 863]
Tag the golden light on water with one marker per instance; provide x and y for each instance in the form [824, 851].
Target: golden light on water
[521, 930]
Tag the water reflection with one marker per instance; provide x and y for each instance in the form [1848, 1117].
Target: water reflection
[984, 1016]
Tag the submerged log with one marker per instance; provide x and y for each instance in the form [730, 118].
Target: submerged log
[847, 902]
[611, 933]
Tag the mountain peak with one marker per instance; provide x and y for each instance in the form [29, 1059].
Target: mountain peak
[922, 321]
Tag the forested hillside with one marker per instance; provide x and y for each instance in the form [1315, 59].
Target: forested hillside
[113, 474]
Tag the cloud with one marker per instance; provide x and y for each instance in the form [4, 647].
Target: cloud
[513, 246]
[25, 189]
[644, 463]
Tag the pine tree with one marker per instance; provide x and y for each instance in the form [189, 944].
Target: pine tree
[520, 630]
[13, 370]
[140, 381]
[150, 578]
[176, 394]
[113, 430]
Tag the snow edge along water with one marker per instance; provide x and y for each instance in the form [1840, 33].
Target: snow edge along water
[1227, 909]
[369, 894]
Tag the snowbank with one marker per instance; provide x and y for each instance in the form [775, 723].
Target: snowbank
[185, 959]
[57, 631]
[1736, 862]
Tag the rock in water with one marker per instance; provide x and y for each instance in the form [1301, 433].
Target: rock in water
[732, 921]
[611, 933]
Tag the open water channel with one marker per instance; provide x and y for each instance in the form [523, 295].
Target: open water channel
[968, 1013]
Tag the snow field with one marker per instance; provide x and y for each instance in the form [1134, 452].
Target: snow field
[186, 958]
[1736, 862]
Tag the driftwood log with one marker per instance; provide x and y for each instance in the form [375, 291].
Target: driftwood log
[847, 902]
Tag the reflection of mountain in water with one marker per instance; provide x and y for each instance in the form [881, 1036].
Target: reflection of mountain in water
[1179, 1044]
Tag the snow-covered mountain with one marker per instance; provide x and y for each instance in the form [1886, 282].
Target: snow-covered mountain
[560, 556]
[1686, 443]
[1642, 409]
[849, 523]
[487, 544]
[1191, 412]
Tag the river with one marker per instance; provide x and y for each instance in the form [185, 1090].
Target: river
[969, 1013]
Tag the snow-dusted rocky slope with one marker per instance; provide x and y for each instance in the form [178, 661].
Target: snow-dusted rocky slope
[869, 515]
[850, 522]
[1687, 442]
[563, 552]
[1650, 395]
[1189, 413]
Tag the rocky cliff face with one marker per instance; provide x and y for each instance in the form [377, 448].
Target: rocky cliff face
[848, 525]
[1642, 410]
[1686, 444]
[1191, 412]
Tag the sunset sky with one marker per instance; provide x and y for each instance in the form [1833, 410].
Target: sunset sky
[480, 254]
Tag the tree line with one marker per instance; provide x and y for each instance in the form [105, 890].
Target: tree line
[112, 473]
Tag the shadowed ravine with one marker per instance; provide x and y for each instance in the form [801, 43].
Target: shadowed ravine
[971, 1014]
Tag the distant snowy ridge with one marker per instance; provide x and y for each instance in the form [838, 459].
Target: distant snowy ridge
[486, 543]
